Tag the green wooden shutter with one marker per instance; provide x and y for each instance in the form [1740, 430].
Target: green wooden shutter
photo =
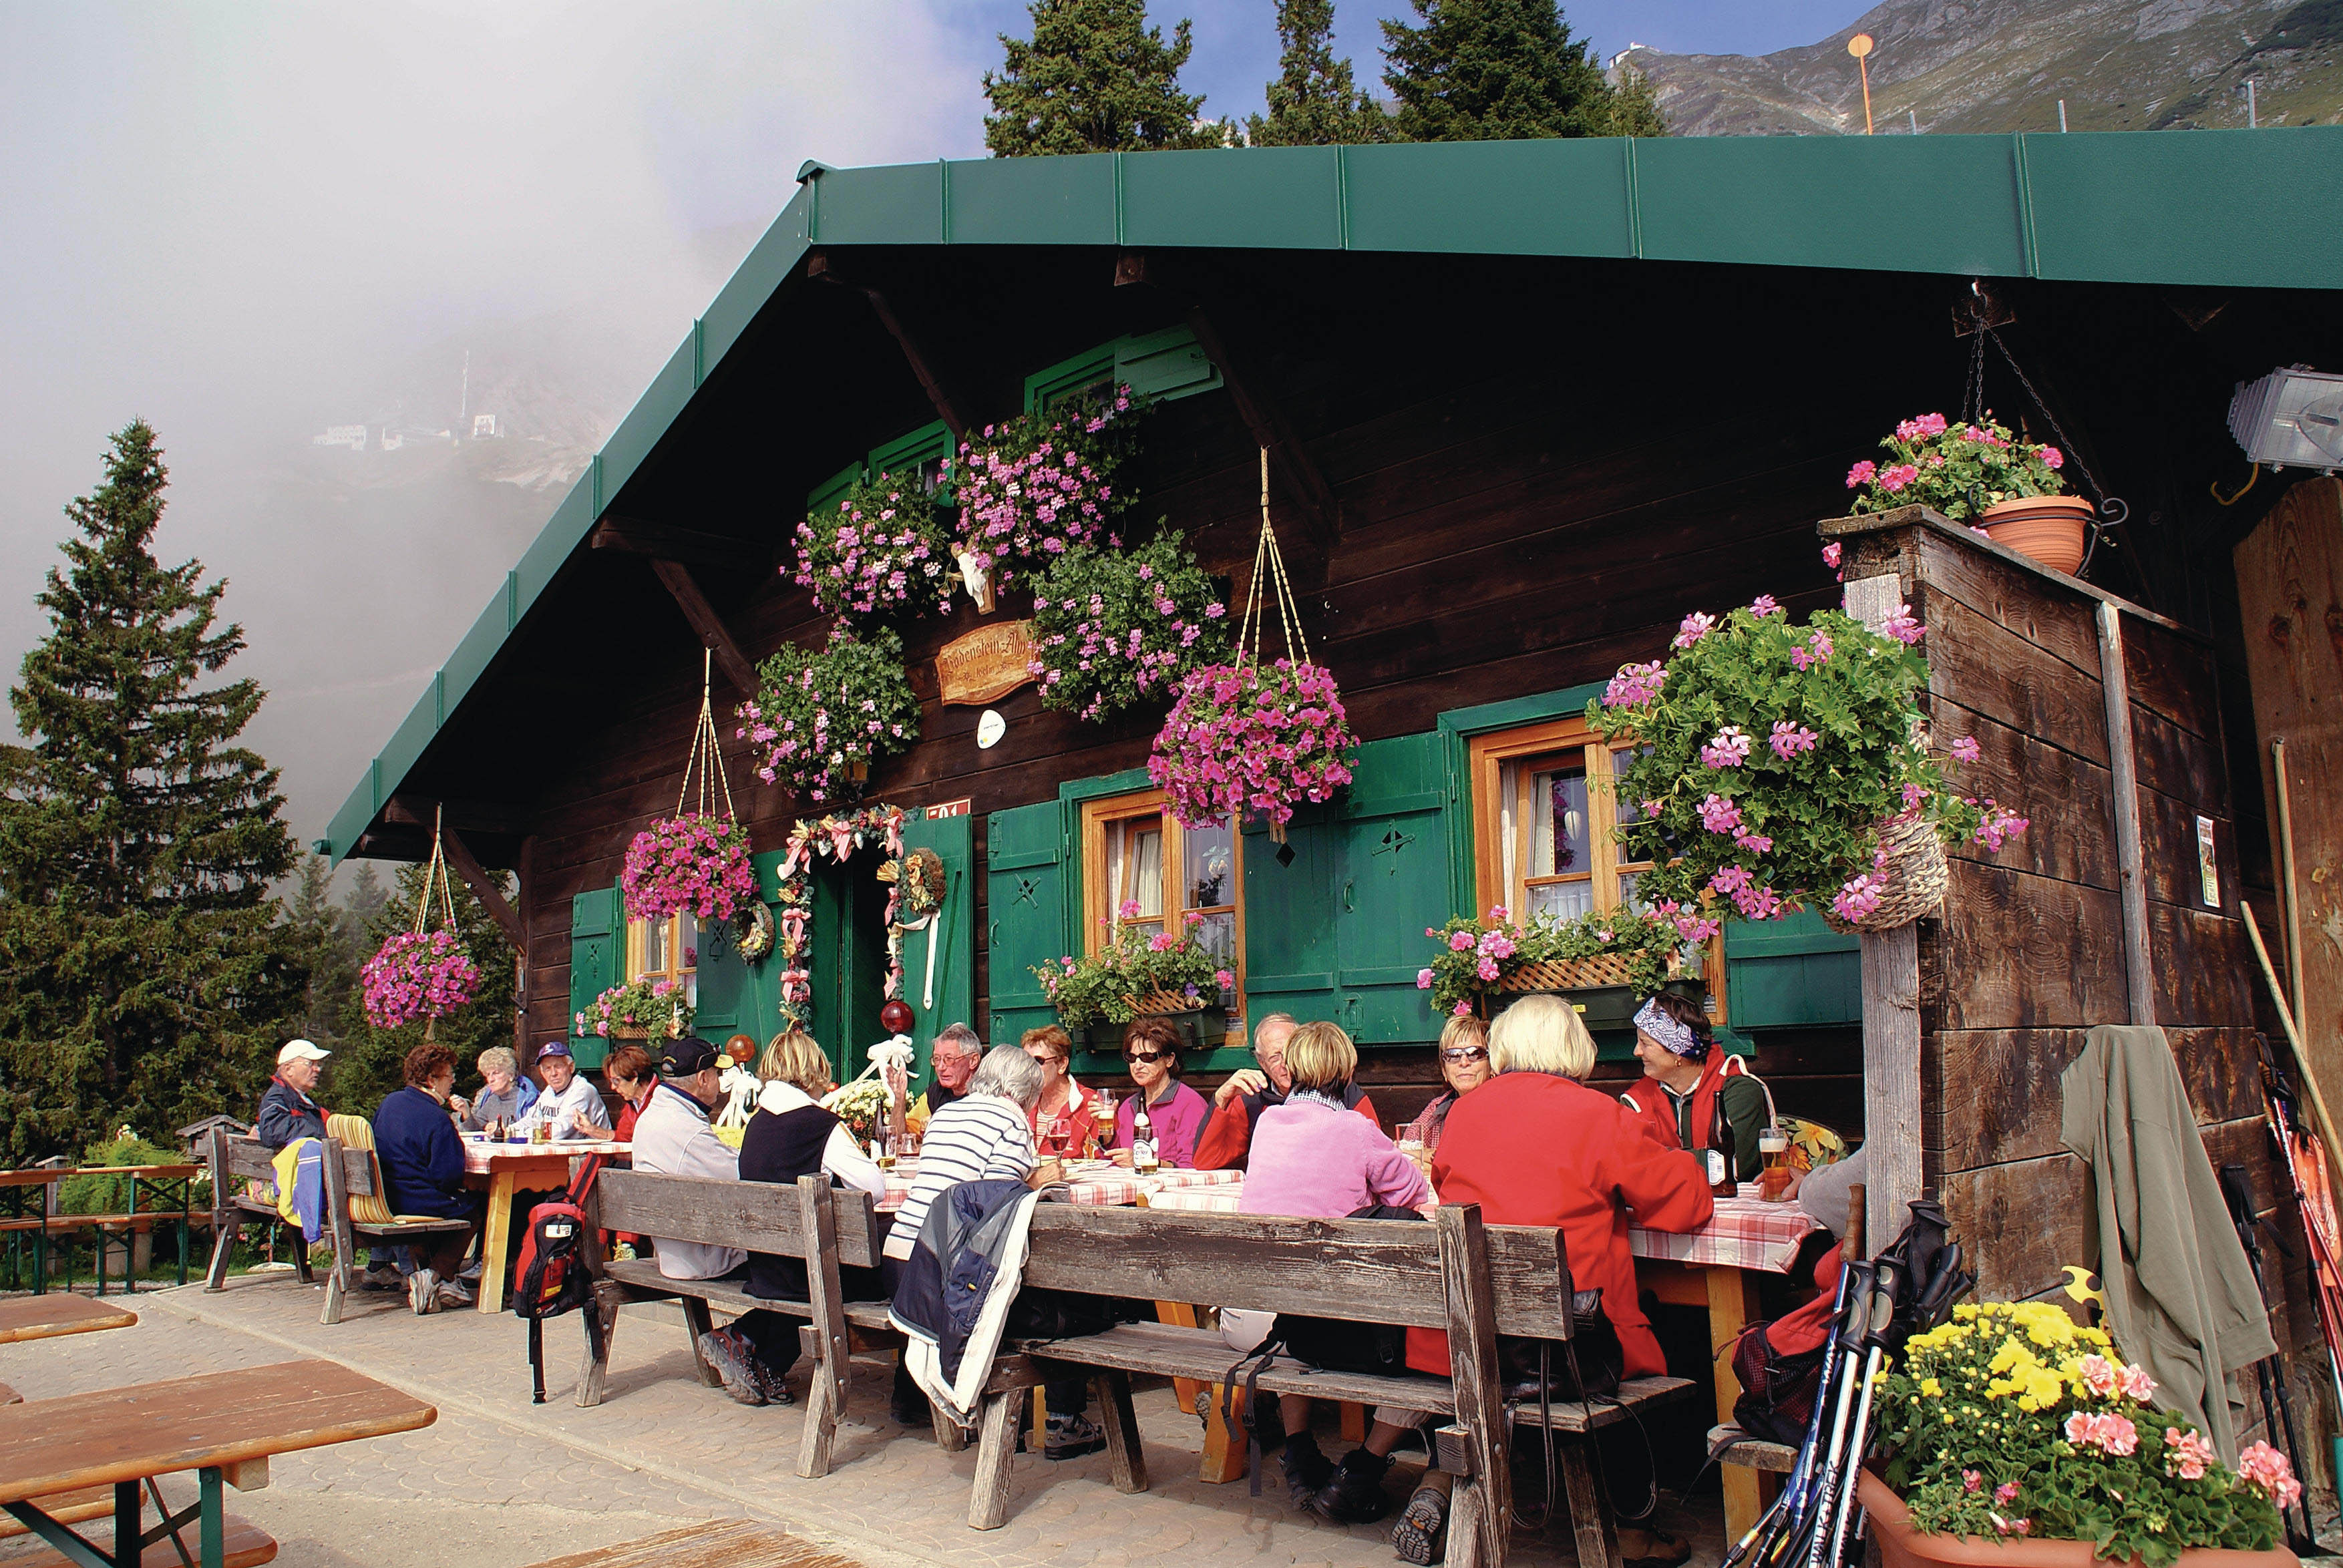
[1166, 365]
[1394, 883]
[1026, 886]
[597, 944]
[953, 932]
[721, 984]
[1790, 973]
[1289, 918]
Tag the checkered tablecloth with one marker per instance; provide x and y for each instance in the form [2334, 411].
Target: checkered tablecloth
[1746, 1233]
[1100, 1188]
[481, 1157]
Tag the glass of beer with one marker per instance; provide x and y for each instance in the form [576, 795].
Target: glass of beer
[1774, 1146]
[1102, 1109]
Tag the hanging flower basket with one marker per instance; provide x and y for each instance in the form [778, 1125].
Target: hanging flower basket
[1113, 629]
[418, 976]
[823, 718]
[691, 863]
[1033, 488]
[645, 1009]
[421, 973]
[1251, 738]
[1769, 755]
[883, 554]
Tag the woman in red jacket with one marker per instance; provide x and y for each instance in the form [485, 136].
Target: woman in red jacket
[1535, 1146]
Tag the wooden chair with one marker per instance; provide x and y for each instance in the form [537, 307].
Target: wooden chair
[349, 1172]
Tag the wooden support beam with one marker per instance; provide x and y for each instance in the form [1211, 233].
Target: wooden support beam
[463, 816]
[2139, 975]
[713, 632]
[664, 541]
[466, 865]
[1296, 471]
[949, 409]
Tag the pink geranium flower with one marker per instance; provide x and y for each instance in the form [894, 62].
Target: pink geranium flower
[1695, 626]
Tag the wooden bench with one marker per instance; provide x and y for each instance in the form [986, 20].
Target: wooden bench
[1455, 1273]
[719, 1543]
[349, 1172]
[826, 1226]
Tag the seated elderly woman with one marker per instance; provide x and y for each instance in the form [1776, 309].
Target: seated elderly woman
[1536, 1146]
[789, 1136]
[422, 1161]
[1176, 1112]
[505, 1095]
[1463, 1057]
[1313, 1157]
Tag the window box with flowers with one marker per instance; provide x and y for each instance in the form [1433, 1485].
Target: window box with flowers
[1604, 960]
[651, 1008]
[1978, 473]
[1140, 973]
[2014, 1437]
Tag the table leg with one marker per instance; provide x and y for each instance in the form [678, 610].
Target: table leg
[214, 1526]
[496, 1242]
[1732, 1305]
[1184, 1315]
[1227, 1453]
[129, 1522]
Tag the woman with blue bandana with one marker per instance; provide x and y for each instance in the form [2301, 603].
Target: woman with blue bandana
[1684, 1072]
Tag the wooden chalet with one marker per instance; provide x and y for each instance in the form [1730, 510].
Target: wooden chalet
[1526, 405]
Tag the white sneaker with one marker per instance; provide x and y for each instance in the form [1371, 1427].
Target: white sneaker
[382, 1277]
[456, 1293]
[423, 1291]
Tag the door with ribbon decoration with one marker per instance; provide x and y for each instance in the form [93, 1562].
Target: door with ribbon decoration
[938, 947]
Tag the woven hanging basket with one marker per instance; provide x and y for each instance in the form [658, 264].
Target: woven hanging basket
[1579, 974]
[627, 1032]
[1917, 875]
[1161, 1004]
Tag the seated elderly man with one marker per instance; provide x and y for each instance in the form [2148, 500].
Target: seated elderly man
[673, 1138]
[1224, 1142]
[287, 1112]
[955, 1053]
[422, 1161]
[570, 1106]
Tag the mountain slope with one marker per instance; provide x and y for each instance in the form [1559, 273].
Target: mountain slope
[1999, 65]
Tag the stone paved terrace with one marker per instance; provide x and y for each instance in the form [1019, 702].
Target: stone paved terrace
[501, 1483]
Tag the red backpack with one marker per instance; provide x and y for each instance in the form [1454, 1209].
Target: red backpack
[550, 1275]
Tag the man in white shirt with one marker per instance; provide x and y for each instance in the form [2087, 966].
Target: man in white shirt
[571, 1106]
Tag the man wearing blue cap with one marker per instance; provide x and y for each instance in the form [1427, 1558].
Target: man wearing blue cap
[571, 1106]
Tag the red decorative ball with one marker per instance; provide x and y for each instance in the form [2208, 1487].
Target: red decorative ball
[896, 1017]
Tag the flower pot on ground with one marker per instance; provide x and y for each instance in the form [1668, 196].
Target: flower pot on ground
[2052, 529]
[1903, 1546]
[1780, 767]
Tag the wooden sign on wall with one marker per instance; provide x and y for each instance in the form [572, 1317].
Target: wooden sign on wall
[986, 665]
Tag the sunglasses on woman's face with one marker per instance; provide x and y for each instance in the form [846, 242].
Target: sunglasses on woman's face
[1143, 1055]
[1465, 1053]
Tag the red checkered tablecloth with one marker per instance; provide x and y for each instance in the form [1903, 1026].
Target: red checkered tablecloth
[1746, 1233]
[481, 1157]
[1109, 1188]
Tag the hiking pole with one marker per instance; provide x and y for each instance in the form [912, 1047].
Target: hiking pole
[1886, 1280]
[2294, 1038]
[1783, 1500]
[1862, 1301]
[2278, 1409]
[2318, 1219]
[1792, 1521]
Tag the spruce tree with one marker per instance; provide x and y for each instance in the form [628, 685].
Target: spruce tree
[1314, 102]
[370, 1061]
[144, 976]
[1498, 70]
[329, 938]
[1094, 78]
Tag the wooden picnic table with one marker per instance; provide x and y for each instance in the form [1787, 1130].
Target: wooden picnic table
[225, 1426]
[47, 1317]
[505, 1171]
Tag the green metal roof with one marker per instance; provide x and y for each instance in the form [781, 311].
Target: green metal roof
[2251, 209]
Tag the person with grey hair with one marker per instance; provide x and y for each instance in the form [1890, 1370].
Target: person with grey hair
[954, 1054]
[505, 1095]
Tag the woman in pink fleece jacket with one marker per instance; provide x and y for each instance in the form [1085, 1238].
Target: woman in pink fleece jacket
[1314, 1158]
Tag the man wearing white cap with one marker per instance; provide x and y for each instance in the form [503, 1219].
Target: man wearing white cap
[287, 1112]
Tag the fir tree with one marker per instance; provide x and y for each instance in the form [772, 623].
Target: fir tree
[366, 900]
[1635, 107]
[1498, 70]
[370, 1062]
[1314, 102]
[144, 976]
[329, 941]
[1094, 78]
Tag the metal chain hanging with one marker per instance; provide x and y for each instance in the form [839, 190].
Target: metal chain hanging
[1267, 561]
[2112, 509]
[707, 757]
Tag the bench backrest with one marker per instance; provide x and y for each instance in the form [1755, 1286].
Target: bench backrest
[756, 1216]
[1365, 1271]
[234, 1161]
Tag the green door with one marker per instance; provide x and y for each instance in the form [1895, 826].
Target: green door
[1025, 854]
[941, 990]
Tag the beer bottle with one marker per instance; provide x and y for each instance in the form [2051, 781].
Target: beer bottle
[1722, 1162]
[1142, 1138]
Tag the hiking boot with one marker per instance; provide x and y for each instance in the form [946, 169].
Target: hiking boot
[1421, 1536]
[776, 1390]
[1353, 1495]
[382, 1277]
[456, 1293]
[1072, 1437]
[735, 1363]
[423, 1291]
[1306, 1470]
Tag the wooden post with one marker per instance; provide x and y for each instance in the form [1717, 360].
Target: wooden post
[1891, 1012]
[825, 1396]
[1483, 1500]
[2138, 976]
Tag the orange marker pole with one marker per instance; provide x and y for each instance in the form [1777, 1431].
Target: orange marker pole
[1860, 46]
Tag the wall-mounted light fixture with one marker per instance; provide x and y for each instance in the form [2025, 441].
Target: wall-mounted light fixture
[2290, 417]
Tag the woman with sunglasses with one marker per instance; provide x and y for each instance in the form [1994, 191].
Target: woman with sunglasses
[1464, 1068]
[1176, 1110]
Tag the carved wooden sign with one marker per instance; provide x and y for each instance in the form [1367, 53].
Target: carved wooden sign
[986, 665]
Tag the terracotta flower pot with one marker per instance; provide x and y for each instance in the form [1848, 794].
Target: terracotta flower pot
[1901, 1546]
[2051, 529]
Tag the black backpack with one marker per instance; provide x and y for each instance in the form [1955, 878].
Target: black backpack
[551, 1275]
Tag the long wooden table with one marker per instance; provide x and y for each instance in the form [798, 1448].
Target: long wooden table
[47, 1317]
[225, 1426]
[505, 1170]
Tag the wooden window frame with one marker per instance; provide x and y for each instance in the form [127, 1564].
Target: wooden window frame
[1099, 895]
[1486, 755]
[638, 941]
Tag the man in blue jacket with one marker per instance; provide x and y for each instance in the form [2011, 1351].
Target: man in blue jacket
[287, 1112]
[422, 1161]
